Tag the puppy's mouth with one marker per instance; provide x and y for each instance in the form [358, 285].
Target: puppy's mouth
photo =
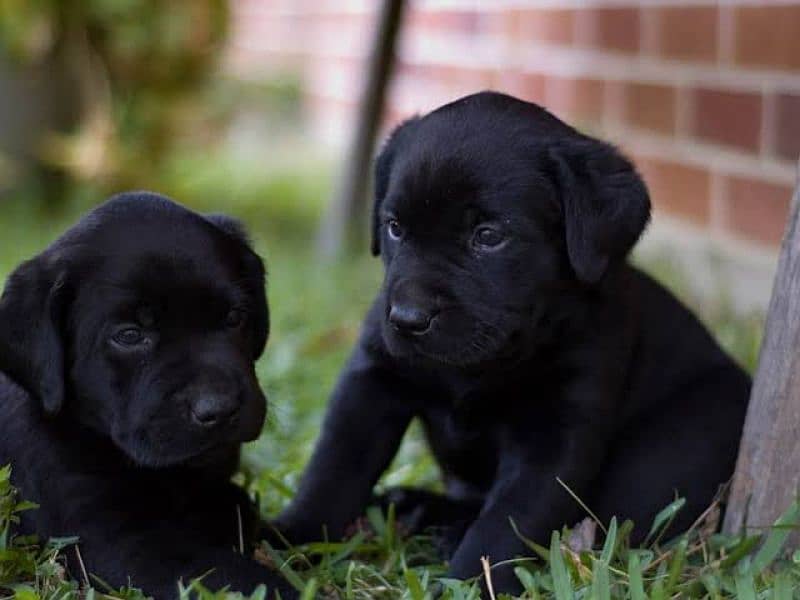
[154, 447]
[145, 452]
[440, 345]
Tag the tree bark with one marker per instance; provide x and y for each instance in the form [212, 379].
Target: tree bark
[768, 468]
[345, 221]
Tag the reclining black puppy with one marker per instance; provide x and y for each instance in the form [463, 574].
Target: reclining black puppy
[129, 348]
[511, 325]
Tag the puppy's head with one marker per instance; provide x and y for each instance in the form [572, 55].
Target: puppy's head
[143, 323]
[485, 208]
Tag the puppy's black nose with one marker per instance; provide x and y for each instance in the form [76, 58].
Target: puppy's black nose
[209, 409]
[410, 319]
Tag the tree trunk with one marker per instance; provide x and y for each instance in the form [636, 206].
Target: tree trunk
[345, 221]
[768, 469]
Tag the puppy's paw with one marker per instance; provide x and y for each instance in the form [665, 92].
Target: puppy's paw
[413, 508]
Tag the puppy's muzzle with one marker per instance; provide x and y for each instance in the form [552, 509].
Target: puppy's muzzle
[411, 320]
[210, 409]
[212, 405]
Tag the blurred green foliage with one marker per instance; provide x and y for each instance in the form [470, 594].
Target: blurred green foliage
[138, 72]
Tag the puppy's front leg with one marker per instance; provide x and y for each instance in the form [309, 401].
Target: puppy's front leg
[366, 419]
[155, 558]
[527, 491]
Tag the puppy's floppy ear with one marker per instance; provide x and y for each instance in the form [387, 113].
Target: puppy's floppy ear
[383, 169]
[32, 311]
[229, 225]
[604, 202]
[254, 279]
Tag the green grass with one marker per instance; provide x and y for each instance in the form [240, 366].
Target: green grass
[317, 309]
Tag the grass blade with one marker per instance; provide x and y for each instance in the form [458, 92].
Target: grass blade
[664, 517]
[676, 566]
[740, 550]
[528, 582]
[776, 538]
[745, 588]
[288, 573]
[414, 585]
[601, 583]
[610, 543]
[562, 586]
[310, 591]
[635, 580]
[782, 587]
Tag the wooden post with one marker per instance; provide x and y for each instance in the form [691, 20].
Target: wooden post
[768, 469]
[345, 221]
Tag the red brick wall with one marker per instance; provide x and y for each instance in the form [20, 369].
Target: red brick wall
[704, 96]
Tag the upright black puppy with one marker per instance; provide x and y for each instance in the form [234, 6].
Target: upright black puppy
[510, 323]
[129, 346]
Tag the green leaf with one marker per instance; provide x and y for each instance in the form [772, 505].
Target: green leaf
[376, 520]
[776, 538]
[610, 543]
[348, 581]
[414, 585]
[676, 566]
[562, 586]
[285, 569]
[664, 517]
[601, 583]
[782, 587]
[745, 588]
[310, 591]
[712, 586]
[635, 580]
[538, 549]
[657, 590]
[528, 581]
[739, 551]
[25, 594]
[25, 505]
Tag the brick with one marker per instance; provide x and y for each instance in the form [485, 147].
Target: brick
[767, 36]
[465, 22]
[460, 21]
[463, 79]
[650, 106]
[528, 86]
[757, 210]
[616, 29]
[678, 190]
[727, 118]
[787, 110]
[580, 98]
[687, 32]
[555, 26]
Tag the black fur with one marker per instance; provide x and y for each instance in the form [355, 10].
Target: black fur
[127, 353]
[511, 325]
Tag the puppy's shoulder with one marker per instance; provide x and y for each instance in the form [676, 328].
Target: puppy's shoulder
[666, 323]
[19, 414]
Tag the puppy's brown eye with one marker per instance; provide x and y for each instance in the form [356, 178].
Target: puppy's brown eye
[488, 237]
[130, 336]
[394, 228]
[234, 318]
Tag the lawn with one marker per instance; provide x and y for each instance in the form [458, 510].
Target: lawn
[316, 308]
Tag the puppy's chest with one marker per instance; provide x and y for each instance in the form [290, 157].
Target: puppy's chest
[464, 446]
[467, 436]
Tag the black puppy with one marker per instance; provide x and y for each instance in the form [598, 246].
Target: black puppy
[511, 325]
[129, 348]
